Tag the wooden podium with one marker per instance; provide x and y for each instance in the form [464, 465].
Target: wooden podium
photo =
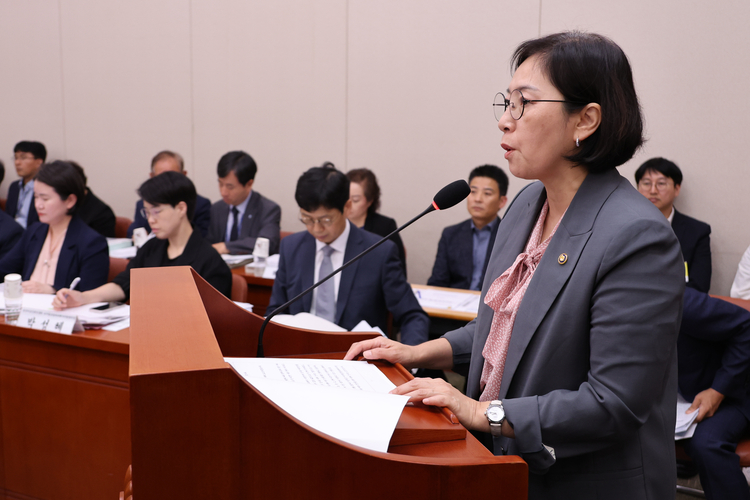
[198, 430]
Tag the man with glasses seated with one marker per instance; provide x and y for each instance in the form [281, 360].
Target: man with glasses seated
[366, 290]
[659, 180]
[28, 157]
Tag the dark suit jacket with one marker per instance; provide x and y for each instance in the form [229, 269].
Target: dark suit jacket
[198, 254]
[383, 226]
[97, 215]
[368, 289]
[262, 219]
[11, 204]
[713, 349]
[10, 233]
[454, 262]
[201, 217]
[591, 368]
[84, 254]
[695, 242]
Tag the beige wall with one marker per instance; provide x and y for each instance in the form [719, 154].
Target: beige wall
[403, 88]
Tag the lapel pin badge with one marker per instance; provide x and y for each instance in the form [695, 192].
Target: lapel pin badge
[562, 259]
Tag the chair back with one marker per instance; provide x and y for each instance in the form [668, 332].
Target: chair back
[121, 227]
[239, 288]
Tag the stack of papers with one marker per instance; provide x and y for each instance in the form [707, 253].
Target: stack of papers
[113, 319]
[443, 299]
[686, 424]
[236, 260]
[309, 321]
[347, 400]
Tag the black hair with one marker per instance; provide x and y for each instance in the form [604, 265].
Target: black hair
[493, 172]
[2, 171]
[169, 188]
[322, 187]
[661, 165]
[366, 178]
[80, 171]
[64, 179]
[590, 68]
[35, 148]
[239, 162]
[163, 155]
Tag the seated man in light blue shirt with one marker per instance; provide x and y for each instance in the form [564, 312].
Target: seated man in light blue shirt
[474, 236]
[28, 158]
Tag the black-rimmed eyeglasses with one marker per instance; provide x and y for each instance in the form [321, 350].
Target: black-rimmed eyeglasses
[517, 104]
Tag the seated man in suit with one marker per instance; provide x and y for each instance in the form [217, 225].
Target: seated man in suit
[713, 357]
[168, 161]
[473, 237]
[10, 230]
[659, 180]
[29, 157]
[366, 290]
[93, 211]
[242, 215]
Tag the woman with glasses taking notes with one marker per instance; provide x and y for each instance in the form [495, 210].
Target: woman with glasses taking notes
[571, 362]
[168, 204]
[60, 247]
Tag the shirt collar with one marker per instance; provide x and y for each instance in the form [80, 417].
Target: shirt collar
[671, 216]
[489, 227]
[339, 244]
[242, 206]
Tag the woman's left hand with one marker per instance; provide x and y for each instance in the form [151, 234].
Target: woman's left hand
[438, 392]
[36, 287]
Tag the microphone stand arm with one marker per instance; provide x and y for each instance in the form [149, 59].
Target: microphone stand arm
[283, 307]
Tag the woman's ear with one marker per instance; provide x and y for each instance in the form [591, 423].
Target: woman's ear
[181, 207]
[589, 119]
[70, 201]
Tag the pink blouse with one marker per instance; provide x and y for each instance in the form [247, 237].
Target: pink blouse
[46, 263]
[504, 297]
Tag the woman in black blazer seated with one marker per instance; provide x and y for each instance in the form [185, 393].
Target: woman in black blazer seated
[365, 195]
[60, 247]
[168, 204]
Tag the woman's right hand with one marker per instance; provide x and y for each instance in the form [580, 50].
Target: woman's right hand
[66, 297]
[383, 348]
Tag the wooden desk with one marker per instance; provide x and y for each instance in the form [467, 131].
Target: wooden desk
[64, 414]
[258, 290]
[461, 316]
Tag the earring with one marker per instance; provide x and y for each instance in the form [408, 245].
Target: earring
[578, 145]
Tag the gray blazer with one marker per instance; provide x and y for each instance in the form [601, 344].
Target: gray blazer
[591, 366]
[262, 219]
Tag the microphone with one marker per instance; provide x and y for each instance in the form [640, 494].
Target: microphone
[451, 195]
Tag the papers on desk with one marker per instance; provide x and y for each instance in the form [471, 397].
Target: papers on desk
[123, 253]
[444, 299]
[309, 321]
[347, 400]
[118, 243]
[236, 260]
[113, 320]
[686, 424]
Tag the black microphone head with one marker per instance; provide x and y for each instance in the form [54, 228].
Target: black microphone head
[452, 194]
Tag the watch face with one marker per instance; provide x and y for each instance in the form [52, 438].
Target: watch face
[495, 413]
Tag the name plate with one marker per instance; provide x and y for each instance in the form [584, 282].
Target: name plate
[49, 321]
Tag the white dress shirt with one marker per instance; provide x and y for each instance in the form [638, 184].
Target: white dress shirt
[337, 260]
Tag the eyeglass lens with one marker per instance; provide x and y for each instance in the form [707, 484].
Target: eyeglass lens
[515, 103]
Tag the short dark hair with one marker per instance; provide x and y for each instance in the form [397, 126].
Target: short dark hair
[366, 178]
[493, 172]
[2, 171]
[590, 68]
[64, 179]
[169, 188]
[35, 148]
[239, 162]
[163, 155]
[80, 171]
[662, 166]
[322, 187]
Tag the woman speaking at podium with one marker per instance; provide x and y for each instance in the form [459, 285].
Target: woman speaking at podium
[168, 205]
[571, 362]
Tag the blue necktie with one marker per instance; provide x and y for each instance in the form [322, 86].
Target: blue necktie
[325, 303]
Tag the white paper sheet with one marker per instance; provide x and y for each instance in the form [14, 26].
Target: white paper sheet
[443, 299]
[685, 424]
[118, 317]
[347, 400]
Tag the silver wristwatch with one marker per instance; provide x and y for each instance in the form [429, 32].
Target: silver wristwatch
[495, 414]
